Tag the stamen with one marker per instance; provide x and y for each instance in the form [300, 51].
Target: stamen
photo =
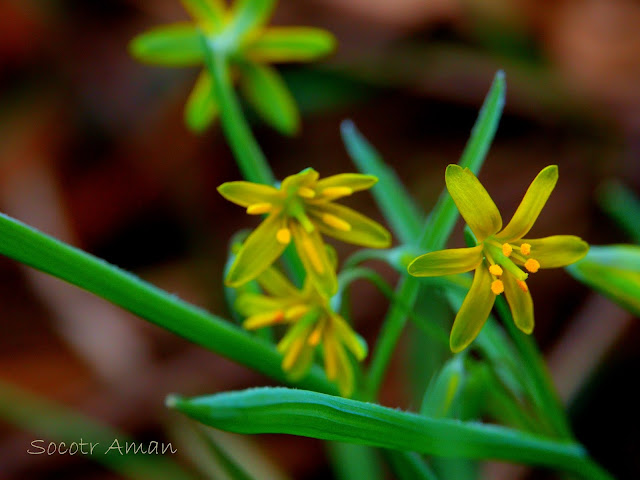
[495, 270]
[525, 249]
[259, 208]
[336, 222]
[304, 221]
[497, 287]
[523, 286]
[284, 236]
[314, 338]
[295, 312]
[337, 191]
[506, 249]
[313, 255]
[532, 265]
[263, 320]
[306, 192]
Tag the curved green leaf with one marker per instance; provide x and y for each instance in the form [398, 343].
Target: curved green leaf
[316, 415]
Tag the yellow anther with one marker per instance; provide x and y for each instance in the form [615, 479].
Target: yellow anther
[525, 249]
[337, 191]
[495, 270]
[336, 222]
[506, 249]
[497, 287]
[314, 338]
[296, 312]
[259, 208]
[314, 256]
[284, 236]
[523, 286]
[306, 192]
[532, 265]
[263, 320]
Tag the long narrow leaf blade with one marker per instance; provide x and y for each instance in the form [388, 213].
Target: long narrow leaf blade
[33, 248]
[316, 415]
[444, 215]
[397, 206]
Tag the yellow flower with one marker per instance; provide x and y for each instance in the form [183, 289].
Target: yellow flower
[311, 323]
[239, 35]
[299, 210]
[500, 254]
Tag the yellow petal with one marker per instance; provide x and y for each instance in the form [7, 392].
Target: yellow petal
[531, 205]
[362, 230]
[247, 15]
[345, 377]
[276, 284]
[202, 107]
[446, 262]
[474, 311]
[520, 303]
[209, 13]
[305, 178]
[290, 44]
[267, 92]
[351, 339]
[344, 184]
[248, 193]
[557, 250]
[176, 45]
[473, 202]
[301, 329]
[302, 363]
[312, 252]
[257, 254]
[249, 304]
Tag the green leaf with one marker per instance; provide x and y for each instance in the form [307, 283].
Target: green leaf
[409, 466]
[316, 415]
[174, 46]
[59, 424]
[202, 108]
[445, 214]
[290, 44]
[27, 245]
[440, 398]
[350, 461]
[614, 271]
[623, 206]
[397, 206]
[269, 95]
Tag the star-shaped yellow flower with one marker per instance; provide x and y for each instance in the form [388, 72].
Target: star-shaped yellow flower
[239, 34]
[299, 210]
[311, 324]
[500, 254]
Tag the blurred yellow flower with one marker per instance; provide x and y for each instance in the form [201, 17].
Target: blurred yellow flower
[311, 324]
[237, 34]
[499, 254]
[299, 210]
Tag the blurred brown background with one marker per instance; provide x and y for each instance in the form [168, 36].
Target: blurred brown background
[93, 150]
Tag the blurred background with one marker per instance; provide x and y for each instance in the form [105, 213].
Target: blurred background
[94, 151]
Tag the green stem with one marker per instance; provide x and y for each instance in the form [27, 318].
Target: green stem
[251, 161]
[33, 248]
[390, 334]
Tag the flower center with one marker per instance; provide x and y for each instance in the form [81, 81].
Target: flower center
[505, 257]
